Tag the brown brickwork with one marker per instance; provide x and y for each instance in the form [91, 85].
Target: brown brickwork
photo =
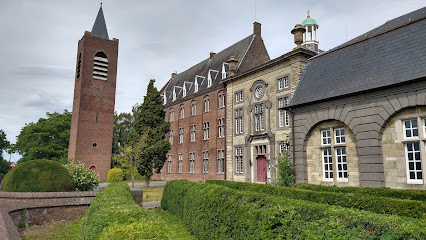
[93, 106]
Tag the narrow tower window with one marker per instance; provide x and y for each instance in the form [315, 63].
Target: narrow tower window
[78, 66]
[100, 66]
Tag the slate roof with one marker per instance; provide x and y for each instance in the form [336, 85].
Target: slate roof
[393, 53]
[238, 50]
[99, 28]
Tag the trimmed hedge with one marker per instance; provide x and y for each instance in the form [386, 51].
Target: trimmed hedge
[217, 212]
[406, 208]
[419, 195]
[38, 176]
[115, 175]
[114, 215]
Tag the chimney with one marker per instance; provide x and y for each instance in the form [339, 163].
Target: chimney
[257, 30]
[211, 54]
[232, 66]
[174, 74]
[298, 31]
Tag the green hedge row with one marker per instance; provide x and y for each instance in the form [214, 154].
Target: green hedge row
[216, 212]
[114, 215]
[419, 195]
[406, 208]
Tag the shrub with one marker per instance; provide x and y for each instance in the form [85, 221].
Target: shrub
[406, 208]
[419, 195]
[285, 171]
[115, 175]
[114, 215]
[216, 212]
[84, 179]
[38, 176]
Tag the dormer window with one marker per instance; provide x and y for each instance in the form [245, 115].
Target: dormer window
[211, 77]
[100, 66]
[225, 70]
[198, 82]
[176, 91]
[184, 91]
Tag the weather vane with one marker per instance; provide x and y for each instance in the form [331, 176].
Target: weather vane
[308, 13]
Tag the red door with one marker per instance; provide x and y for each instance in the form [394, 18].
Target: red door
[261, 169]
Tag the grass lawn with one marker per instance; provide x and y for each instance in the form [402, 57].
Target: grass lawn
[152, 194]
[52, 231]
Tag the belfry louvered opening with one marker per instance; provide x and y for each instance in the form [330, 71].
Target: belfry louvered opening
[100, 66]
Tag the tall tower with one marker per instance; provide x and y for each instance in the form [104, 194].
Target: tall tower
[94, 99]
[310, 37]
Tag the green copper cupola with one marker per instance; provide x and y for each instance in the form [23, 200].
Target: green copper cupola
[310, 37]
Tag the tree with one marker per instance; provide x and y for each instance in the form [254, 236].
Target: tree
[122, 127]
[48, 138]
[148, 119]
[4, 145]
[129, 156]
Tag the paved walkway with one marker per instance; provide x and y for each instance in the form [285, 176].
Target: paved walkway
[138, 185]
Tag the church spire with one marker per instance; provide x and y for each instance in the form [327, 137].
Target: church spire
[99, 27]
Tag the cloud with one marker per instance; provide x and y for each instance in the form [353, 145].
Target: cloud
[45, 71]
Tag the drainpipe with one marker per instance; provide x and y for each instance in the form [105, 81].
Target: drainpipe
[226, 118]
[293, 145]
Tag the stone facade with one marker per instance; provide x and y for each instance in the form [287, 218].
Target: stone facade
[254, 144]
[369, 117]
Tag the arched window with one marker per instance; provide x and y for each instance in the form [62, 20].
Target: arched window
[193, 108]
[181, 112]
[171, 115]
[206, 104]
[100, 66]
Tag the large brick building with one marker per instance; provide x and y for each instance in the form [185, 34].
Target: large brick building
[366, 123]
[94, 99]
[195, 101]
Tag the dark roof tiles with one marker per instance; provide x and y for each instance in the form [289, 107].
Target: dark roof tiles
[99, 28]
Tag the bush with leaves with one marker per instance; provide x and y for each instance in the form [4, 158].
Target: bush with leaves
[285, 171]
[85, 179]
[115, 175]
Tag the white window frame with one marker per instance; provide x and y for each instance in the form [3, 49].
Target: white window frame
[287, 117]
[286, 82]
[206, 105]
[171, 115]
[169, 164]
[280, 83]
[181, 112]
[239, 121]
[280, 112]
[239, 97]
[206, 126]
[415, 160]
[259, 117]
[411, 129]
[206, 162]
[342, 164]
[221, 100]
[339, 138]
[180, 163]
[181, 135]
[326, 137]
[224, 73]
[191, 162]
[221, 127]
[193, 108]
[192, 132]
[329, 165]
[220, 161]
[171, 137]
[239, 160]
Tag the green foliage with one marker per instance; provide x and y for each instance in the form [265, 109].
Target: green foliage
[48, 138]
[114, 215]
[149, 121]
[4, 145]
[115, 175]
[122, 127]
[38, 176]
[84, 179]
[419, 195]
[216, 212]
[285, 171]
[382, 205]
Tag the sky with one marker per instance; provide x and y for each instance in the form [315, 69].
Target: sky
[38, 43]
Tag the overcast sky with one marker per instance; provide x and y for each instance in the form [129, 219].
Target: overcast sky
[39, 39]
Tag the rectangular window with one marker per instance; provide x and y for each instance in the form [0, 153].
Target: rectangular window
[239, 164]
[171, 137]
[259, 119]
[169, 164]
[284, 147]
[327, 162]
[239, 97]
[206, 162]
[206, 130]
[410, 128]
[221, 100]
[325, 137]
[220, 161]
[280, 82]
[414, 163]
[191, 162]
[339, 134]
[193, 108]
[206, 105]
[181, 135]
[221, 127]
[280, 112]
[342, 165]
[286, 82]
[239, 126]
[192, 133]
[180, 163]
[287, 118]
[171, 115]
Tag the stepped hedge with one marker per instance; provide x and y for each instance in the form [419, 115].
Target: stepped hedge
[419, 195]
[382, 205]
[216, 212]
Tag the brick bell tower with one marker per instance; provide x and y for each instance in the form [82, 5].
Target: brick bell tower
[94, 99]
